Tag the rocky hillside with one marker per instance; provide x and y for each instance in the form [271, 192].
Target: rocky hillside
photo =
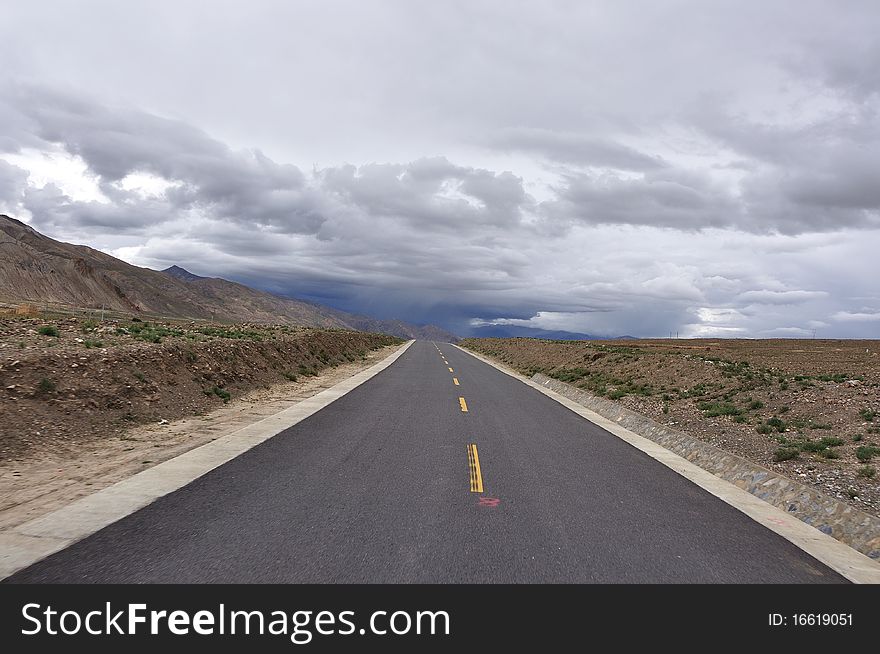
[35, 268]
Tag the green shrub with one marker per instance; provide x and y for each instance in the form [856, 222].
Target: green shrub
[838, 378]
[755, 405]
[222, 393]
[713, 409]
[867, 452]
[785, 453]
[48, 330]
[777, 424]
[831, 441]
[867, 471]
[46, 386]
[866, 414]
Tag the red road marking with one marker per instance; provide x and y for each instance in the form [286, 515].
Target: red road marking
[489, 501]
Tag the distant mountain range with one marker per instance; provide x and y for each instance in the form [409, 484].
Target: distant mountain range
[514, 331]
[35, 268]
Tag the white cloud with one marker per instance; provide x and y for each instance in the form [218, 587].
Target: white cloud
[847, 316]
[781, 297]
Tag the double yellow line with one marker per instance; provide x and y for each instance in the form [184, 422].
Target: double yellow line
[476, 474]
[474, 471]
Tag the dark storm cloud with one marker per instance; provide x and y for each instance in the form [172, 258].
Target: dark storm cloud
[575, 149]
[115, 143]
[52, 208]
[669, 198]
[430, 192]
[780, 297]
[820, 176]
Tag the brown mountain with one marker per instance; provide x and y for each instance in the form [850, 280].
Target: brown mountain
[35, 268]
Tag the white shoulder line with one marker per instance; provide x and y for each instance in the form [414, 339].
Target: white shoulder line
[35, 540]
[841, 558]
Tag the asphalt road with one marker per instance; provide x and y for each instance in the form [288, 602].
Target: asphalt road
[377, 487]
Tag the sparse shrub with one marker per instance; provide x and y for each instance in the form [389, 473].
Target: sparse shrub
[570, 374]
[785, 453]
[831, 441]
[137, 374]
[867, 452]
[785, 409]
[222, 393]
[290, 376]
[46, 386]
[48, 330]
[90, 344]
[777, 424]
[867, 472]
[713, 409]
[856, 438]
[755, 405]
[763, 429]
[867, 415]
[829, 454]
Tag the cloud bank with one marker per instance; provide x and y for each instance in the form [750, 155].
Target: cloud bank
[717, 178]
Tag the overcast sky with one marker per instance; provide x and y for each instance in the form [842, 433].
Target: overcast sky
[706, 168]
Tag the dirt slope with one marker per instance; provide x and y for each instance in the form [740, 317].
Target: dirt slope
[80, 380]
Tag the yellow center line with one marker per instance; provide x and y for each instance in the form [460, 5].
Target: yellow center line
[476, 474]
[463, 404]
[455, 381]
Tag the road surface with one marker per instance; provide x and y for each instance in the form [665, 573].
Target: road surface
[438, 469]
